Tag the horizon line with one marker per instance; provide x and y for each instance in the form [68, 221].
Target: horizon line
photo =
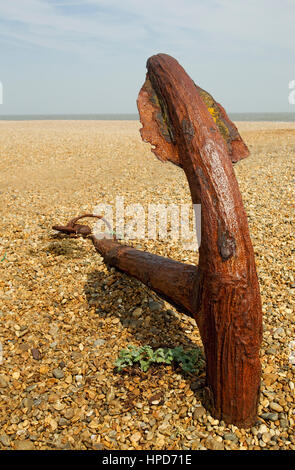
[130, 114]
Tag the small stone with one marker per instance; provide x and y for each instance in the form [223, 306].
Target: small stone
[65, 445]
[284, 423]
[154, 306]
[76, 355]
[59, 406]
[150, 436]
[266, 437]
[27, 403]
[69, 413]
[156, 398]
[165, 428]
[16, 375]
[36, 354]
[99, 342]
[278, 332]
[199, 412]
[183, 412]
[52, 398]
[135, 437]
[53, 330]
[99, 446]
[215, 422]
[271, 351]
[110, 395]
[23, 332]
[68, 379]
[270, 416]
[62, 422]
[229, 436]
[213, 444]
[58, 373]
[195, 444]
[24, 445]
[262, 429]
[137, 312]
[269, 379]
[276, 407]
[94, 424]
[15, 419]
[86, 436]
[3, 382]
[4, 439]
[160, 442]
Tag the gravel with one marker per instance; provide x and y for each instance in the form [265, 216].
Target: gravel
[65, 315]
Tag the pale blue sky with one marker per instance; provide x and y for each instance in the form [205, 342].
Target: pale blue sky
[89, 56]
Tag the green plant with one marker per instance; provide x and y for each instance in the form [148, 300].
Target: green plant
[145, 356]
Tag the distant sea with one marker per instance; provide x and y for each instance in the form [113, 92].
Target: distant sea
[283, 117]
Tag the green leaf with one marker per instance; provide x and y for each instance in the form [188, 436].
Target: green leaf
[145, 356]
[144, 365]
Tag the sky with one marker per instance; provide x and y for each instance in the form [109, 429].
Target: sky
[89, 56]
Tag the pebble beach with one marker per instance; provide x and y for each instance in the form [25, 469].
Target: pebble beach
[65, 315]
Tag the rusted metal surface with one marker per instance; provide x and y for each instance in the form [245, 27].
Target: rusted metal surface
[73, 229]
[237, 149]
[158, 129]
[190, 130]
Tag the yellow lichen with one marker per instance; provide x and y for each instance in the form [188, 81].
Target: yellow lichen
[215, 113]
